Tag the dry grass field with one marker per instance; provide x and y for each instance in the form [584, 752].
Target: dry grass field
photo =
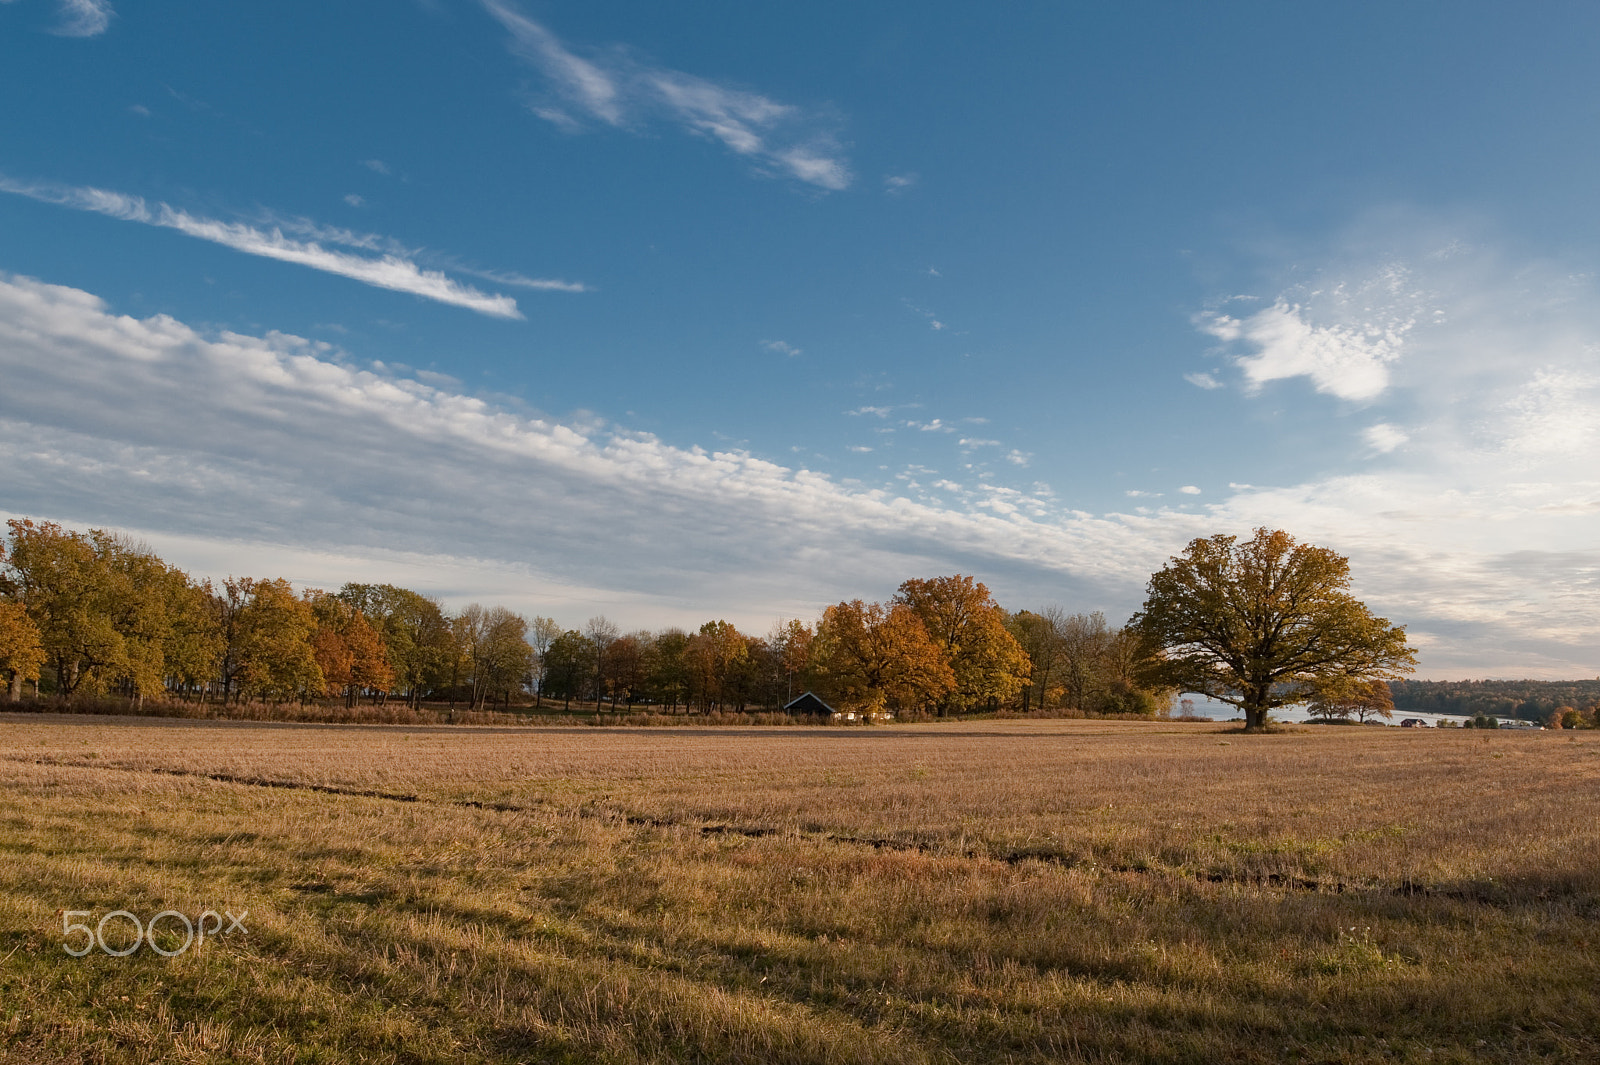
[986, 892]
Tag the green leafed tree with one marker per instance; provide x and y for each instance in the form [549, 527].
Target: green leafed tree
[415, 633]
[1263, 623]
[567, 666]
[169, 634]
[1036, 634]
[494, 645]
[667, 666]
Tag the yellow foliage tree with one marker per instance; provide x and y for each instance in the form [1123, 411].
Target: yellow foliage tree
[713, 657]
[1352, 698]
[273, 634]
[21, 653]
[1259, 624]
[349, 651]
[962, 618]
[69, 593]
[872, 657]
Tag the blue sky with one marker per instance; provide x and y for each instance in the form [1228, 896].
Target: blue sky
[696, 310]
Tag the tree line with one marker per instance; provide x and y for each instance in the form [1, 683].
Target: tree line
[98, 613]
[1528, 700]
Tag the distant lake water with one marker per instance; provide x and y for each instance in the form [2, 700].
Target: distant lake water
[1218, 711]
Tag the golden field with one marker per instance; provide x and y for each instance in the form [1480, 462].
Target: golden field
[979, 891]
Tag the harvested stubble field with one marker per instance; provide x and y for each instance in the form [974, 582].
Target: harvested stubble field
[996, 891]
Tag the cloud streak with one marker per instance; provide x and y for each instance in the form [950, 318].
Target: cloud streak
[83, 18]
[1479, 533]
[390, 267]
[620, 90]
[294, 446]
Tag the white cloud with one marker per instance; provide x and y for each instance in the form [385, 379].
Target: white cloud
[881, 412]
[1383, 437]
[355, 200]
[1202, 380]
[1480, 528]
[516, 280]
[585, 85]
[1190, 490]
[620, 90]
[1556, 412]
[970, 441]
[292, 446]
[83, 18]
[1346, 336]
[1480, 533]
[377, 166]
[390, 269]
[781, 348]
[1348, 363]
[894, 184]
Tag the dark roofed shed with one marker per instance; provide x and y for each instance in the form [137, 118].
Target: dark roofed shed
[809, 703]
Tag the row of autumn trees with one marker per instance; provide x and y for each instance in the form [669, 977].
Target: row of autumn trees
[95, 613]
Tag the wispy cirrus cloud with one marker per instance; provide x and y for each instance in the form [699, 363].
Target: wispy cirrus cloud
[617, 88]
[516, 280]
[302, 242]
[80, 18]
[84, 18]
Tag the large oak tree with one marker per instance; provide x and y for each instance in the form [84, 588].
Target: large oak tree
[1264, 623]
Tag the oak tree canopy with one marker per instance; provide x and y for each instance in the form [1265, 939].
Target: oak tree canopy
[1264, 623]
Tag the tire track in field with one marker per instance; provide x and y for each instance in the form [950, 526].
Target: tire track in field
[1407, 888]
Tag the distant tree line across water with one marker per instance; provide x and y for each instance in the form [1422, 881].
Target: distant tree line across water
[99, 614]
[1526, 700]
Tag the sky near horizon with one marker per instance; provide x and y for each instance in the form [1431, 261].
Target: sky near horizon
[675, 312]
